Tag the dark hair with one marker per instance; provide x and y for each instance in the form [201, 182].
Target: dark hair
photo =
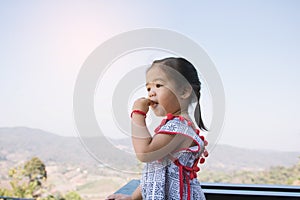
[188, 71]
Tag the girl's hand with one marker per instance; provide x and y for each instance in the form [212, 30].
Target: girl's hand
[142, 104]
[119, 197]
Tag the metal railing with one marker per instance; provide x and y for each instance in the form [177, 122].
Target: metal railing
[13, 198]
[218, 191]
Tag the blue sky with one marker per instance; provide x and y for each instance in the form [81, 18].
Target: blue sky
[254, 45]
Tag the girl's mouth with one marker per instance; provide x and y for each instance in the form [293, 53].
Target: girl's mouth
[153, 104]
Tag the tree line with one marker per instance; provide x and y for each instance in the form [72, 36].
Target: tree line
[29, 181]
[278, 175]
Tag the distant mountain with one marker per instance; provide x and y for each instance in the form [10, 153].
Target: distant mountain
[225, 157]
[21, 143]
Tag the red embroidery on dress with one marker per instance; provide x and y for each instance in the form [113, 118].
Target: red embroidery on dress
[187, 173]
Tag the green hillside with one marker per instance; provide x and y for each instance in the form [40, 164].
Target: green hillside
[278, 175]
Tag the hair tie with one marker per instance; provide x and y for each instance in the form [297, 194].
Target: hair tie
[138, 112]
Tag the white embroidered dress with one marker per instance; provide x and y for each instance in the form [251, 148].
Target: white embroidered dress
[174, 177]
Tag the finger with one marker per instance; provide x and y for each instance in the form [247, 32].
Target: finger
[111, 197]
[146, 101]
[115, 197]
[150, 102]
[143, 98]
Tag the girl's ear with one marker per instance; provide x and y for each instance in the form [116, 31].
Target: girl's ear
[186, 92]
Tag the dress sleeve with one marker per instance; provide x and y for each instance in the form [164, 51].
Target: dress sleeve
[182, 127]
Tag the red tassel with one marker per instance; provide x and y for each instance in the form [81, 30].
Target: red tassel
[205, 143]
[202, 137]
[205, 153]
[202, 160]
[170, 116]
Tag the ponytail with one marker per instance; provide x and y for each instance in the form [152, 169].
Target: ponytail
[198, 118]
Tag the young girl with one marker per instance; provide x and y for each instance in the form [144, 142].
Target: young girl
[173, 153]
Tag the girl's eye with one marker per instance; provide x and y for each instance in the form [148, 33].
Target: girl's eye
[156, 86]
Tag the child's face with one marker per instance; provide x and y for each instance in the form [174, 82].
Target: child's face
[162, 92]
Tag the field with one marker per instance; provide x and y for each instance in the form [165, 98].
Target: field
[70, 168]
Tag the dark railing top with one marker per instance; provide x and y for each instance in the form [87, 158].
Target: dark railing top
[225, 191]
[251, 187]
[13, 198]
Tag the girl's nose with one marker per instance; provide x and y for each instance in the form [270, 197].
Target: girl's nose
[151, 93]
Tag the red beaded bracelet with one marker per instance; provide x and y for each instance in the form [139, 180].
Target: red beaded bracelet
[138, 112]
